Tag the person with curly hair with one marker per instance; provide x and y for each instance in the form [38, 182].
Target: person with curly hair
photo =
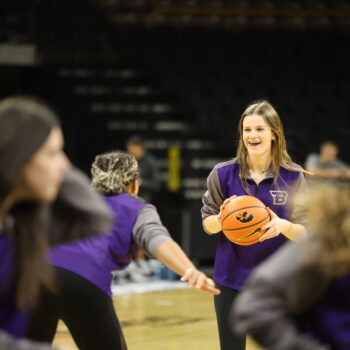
[84, 268]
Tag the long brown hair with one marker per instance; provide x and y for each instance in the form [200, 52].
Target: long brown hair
[329, 219]
[25, 124]
[31, 270]
[279, 153]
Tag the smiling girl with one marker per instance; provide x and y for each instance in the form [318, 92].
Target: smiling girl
[262, 168]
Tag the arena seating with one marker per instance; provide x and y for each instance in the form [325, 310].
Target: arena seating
[185, 85]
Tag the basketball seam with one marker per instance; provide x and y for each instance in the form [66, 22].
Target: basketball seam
[257, 230]
[253, 241]
[241, 228]
[246, 242]
[253, 206]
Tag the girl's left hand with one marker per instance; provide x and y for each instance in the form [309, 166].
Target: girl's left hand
[197, 279]
[274, 227]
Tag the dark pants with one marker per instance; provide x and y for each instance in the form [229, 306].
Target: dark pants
[223, 303]
[87, 311]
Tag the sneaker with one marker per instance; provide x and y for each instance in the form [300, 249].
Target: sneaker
[144, 268]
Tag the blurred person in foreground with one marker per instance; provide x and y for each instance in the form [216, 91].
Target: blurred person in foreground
[43, 201]
[299, 298]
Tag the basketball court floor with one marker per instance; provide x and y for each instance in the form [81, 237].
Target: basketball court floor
[162, 315]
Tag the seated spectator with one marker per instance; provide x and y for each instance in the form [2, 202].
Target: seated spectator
[326, 165]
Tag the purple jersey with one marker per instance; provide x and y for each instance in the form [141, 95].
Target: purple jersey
[95, 258]
[12, 319]
[233, 263]
[329, 318]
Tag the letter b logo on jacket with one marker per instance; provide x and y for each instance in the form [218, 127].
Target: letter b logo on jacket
[279, 197]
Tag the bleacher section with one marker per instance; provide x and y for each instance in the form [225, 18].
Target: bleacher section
[233, 15]
[186, 85]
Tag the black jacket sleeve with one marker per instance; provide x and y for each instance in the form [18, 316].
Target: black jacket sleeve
[78, 212]
[281, 288]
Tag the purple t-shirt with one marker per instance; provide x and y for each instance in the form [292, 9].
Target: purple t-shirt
[95, 258]
[12, 319]
[233, 263]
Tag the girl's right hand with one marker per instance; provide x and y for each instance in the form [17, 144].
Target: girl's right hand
[212, 224]
[222, 206]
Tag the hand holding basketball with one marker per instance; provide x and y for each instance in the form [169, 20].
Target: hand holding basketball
[243, 218]
[222, 206]
[275, 226]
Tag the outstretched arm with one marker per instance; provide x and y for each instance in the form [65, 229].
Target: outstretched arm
[171, 255]
[152, 236]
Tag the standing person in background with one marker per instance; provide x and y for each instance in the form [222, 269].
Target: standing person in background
[262, 168]
[150, 177]
[326, 165]
[42, 201]
[299, 298]
[140, 270]
[84, 268]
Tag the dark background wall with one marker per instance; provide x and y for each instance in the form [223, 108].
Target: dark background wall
[180, 74]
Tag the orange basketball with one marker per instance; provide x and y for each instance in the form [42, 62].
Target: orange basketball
[242, 219]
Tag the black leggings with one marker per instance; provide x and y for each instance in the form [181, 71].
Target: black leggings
[87, 311]
[223, 303]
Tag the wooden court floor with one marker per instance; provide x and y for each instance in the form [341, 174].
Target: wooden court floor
[163, 320]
